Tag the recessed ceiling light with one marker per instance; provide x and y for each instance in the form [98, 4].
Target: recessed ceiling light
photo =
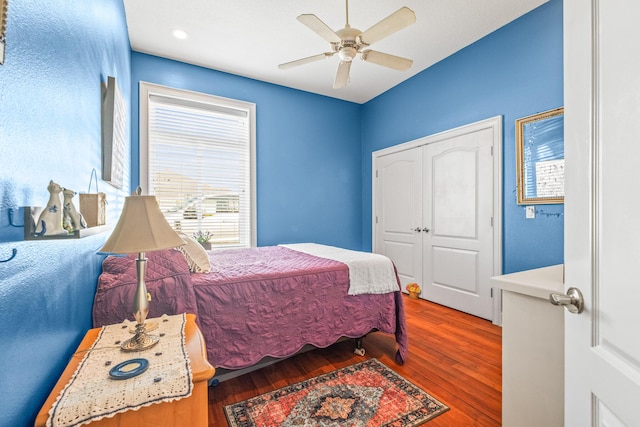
[179, 34]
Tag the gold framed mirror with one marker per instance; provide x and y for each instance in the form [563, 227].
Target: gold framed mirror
[540, 158]
[4, 5]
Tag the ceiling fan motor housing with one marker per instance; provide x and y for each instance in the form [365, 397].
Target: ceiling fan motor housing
[349, 46]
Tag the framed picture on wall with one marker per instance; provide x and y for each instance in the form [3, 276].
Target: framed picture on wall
[114, 124]
[540, 158]
[4, 6]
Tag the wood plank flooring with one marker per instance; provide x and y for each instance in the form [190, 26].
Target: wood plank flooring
[455, 357]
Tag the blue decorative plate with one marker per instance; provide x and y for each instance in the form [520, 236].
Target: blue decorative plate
[128, 369]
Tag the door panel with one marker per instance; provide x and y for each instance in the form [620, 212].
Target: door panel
[602, 245]
[402, 255]
[399, 206]
[456, 270]
[454, 193]
[458, 208]
[397, 184]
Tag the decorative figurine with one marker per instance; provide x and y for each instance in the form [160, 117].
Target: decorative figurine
[414, 290]
[71, 218]
[50, 220]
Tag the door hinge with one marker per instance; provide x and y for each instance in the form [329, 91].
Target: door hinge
[376, 173]
[376, 219]
[492, 221]
[491, 292]
[492, 151]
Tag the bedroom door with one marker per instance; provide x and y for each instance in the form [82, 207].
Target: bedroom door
[436, 217]
[602, 232]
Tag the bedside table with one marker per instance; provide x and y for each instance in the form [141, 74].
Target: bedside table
[189, 411]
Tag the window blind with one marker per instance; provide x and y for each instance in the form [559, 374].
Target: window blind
[199, 167]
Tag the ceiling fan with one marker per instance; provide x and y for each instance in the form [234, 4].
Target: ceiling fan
[349, 42]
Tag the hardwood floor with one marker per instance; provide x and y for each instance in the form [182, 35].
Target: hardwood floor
[455, 357]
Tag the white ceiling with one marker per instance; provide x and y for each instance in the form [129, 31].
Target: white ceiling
[251, 37]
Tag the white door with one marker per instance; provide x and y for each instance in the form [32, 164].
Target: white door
[399, 212]
[602, 211]
[457, 212]
[433, 209]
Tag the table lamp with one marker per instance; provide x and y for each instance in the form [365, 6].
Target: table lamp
[141, 228]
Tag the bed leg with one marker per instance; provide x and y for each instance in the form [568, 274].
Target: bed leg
[359, 350]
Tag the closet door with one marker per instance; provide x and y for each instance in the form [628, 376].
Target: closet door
[457, 211]
[398, 199]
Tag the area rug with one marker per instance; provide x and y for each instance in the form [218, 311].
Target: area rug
[367, 394]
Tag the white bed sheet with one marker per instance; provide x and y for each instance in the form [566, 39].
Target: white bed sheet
[369, 273]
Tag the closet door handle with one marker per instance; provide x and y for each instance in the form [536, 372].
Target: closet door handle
[418, 229]
[426, 230]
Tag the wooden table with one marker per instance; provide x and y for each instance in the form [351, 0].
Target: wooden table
[189, 411]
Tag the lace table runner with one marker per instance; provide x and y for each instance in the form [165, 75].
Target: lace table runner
[92, 395]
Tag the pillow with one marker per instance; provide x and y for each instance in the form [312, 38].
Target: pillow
[194, 253]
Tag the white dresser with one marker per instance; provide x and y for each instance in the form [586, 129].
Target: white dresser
[532, 348]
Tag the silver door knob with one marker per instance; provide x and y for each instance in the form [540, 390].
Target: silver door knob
[426, 230]
[418, 229]
[572, 301]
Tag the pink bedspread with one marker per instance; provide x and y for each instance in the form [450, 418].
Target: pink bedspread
[267, 301]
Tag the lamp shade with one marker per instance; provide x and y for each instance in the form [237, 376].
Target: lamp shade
[141, 228]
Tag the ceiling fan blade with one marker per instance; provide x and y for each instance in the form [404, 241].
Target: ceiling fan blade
[398, 20]
[306, 60]
[342, 76]
[316, 25]
[387, 60]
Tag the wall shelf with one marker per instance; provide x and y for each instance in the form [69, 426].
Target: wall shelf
[31, 215]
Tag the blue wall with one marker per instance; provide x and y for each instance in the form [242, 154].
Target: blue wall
[308, 152]
[58, 52]
[514, 72]
[313, 172]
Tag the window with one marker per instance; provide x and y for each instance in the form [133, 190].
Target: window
[197, 157]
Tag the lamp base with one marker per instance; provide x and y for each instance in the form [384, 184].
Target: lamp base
[140, 341]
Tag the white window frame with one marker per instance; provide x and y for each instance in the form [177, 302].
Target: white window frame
[149, 89]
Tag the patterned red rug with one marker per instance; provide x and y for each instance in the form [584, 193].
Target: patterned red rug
[367, 394]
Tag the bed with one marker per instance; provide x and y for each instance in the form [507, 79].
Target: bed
[257, 303]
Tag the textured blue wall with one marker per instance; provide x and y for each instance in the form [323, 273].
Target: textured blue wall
[308, 152]
[313, 174]
[58, 53]
[514, 72]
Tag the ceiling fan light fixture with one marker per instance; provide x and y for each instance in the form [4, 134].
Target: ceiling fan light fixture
[347, 53]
